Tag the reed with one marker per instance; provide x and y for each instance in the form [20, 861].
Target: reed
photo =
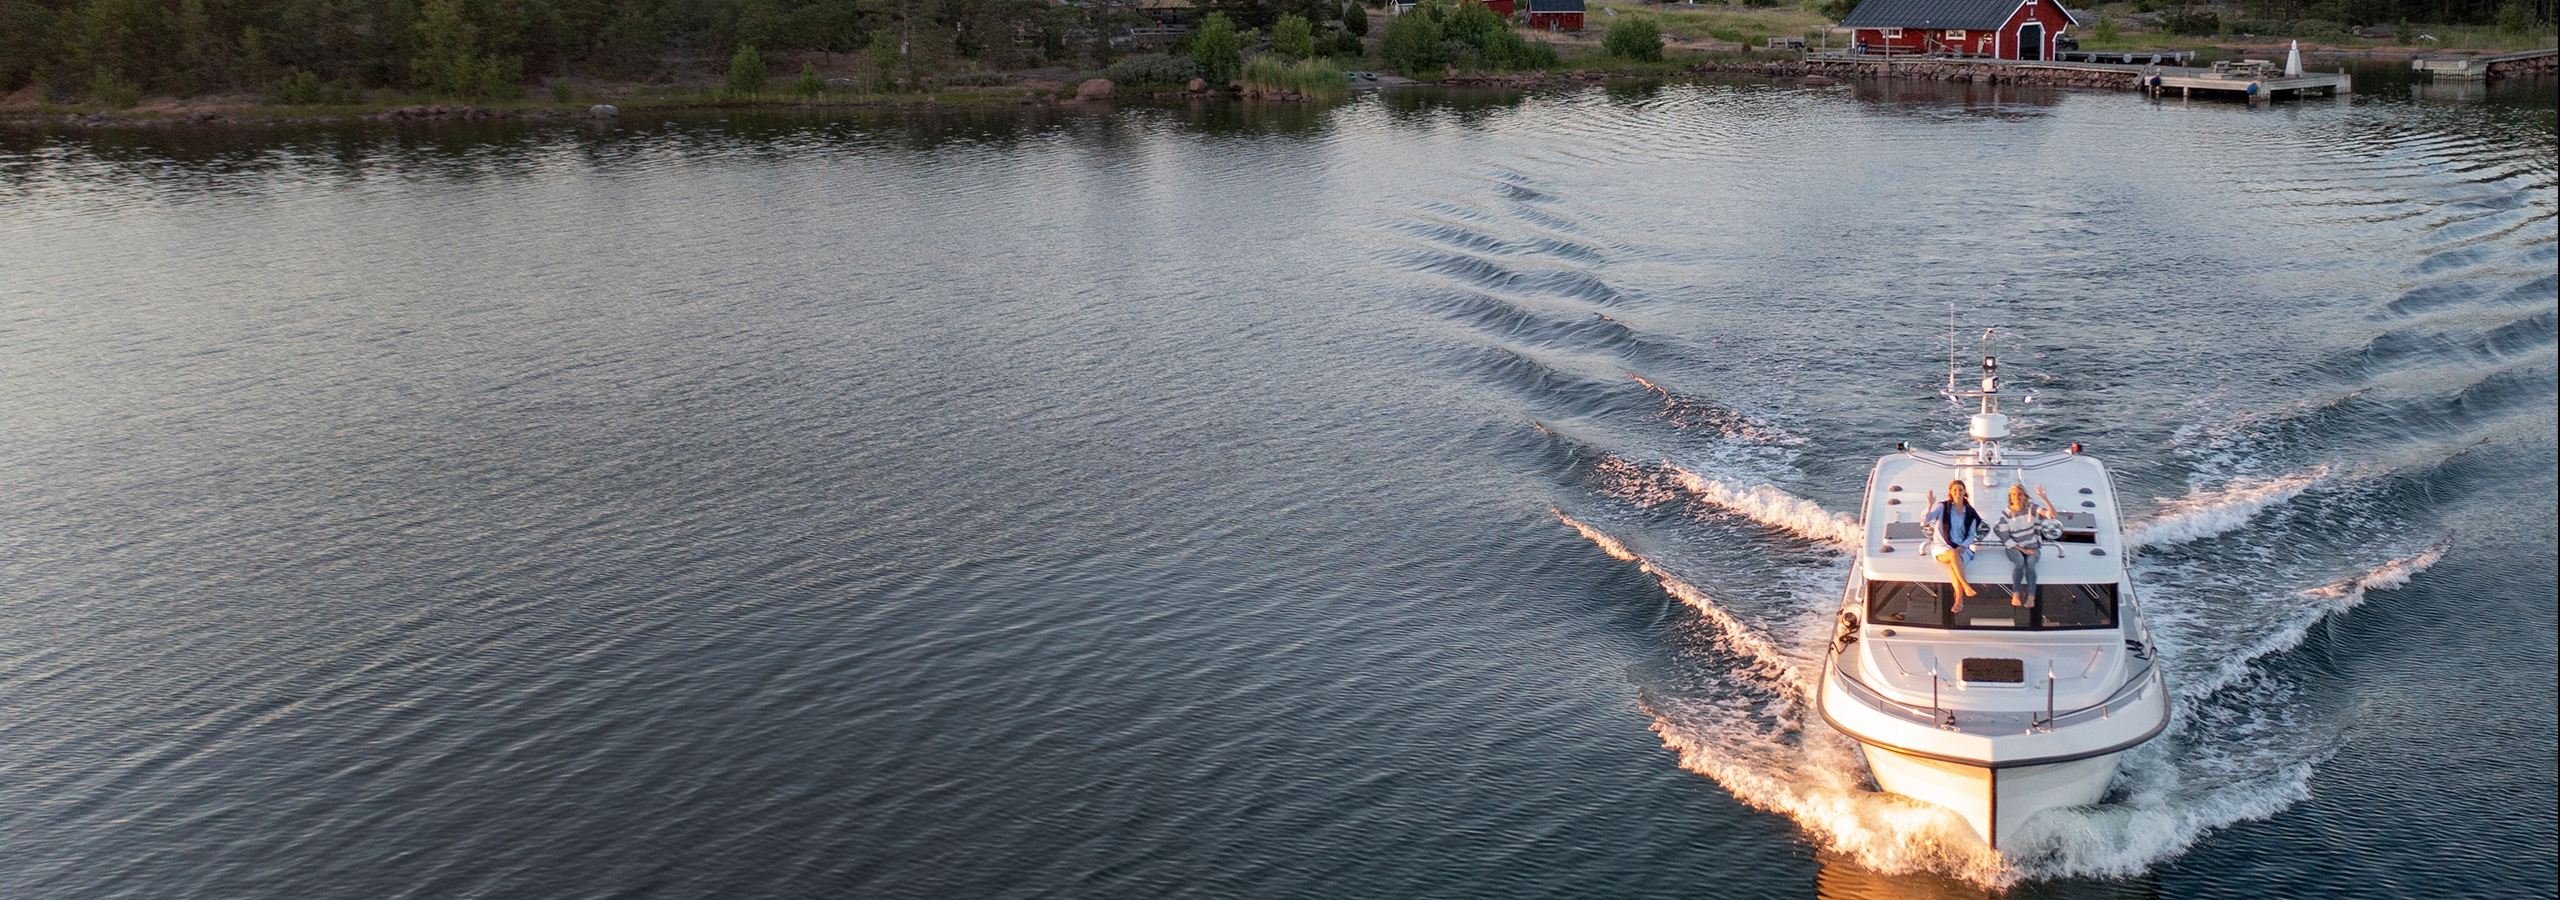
[1269, 73]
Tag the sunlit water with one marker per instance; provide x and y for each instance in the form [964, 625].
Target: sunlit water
[1428, 496]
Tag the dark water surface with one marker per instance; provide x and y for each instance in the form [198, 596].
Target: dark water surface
[1221, 503]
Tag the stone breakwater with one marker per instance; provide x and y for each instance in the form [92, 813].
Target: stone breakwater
[1946, 70]
[2525, 68]
[2115, 79]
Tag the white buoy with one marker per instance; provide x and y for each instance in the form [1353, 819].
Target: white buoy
[2293, 61]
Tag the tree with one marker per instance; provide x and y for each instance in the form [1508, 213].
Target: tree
[746, 72]
[882, 58]
[1412, 42]
[1355, 19]
[1634, 37]
[811, 83]
[1217, 49]
[1293, 37]
[449, 61]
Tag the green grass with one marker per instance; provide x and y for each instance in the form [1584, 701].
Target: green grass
[1751, 25]
[2450, 38]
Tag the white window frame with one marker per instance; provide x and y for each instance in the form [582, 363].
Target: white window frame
[1893, 34]
[1955, 34]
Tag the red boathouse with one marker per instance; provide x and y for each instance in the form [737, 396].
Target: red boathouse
[1997, 29]
[1555, 15]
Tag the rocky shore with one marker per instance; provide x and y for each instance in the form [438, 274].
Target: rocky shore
[1949, 70]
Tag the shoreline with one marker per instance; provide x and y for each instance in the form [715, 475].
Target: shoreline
[235, 110]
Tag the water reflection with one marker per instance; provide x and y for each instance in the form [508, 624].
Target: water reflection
[1840, 879]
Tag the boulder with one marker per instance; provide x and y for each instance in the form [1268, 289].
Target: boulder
[1197, 85]
[1094, 89]
[604, 111]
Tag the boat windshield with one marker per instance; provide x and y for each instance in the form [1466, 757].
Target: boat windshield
[2056, 606]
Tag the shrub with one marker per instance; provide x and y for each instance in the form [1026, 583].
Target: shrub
[1340, 45]
[561, 92]
[1507, 51]
[1216, 48]
[1634, 37]
[1412, 43]
[111, 89]
[811, 83]
[298, 89]
[1152, 69]
[746, 72]
[2107, 30]
[976, 79]
[1293, 37]
[1355, 20]
[1313, 78]
[1836, 10]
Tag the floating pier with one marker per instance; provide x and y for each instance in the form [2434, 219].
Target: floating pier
[2248, 80]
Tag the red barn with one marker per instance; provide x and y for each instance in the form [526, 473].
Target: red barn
[1500, 8]
[1555, 15]
[2000, 29]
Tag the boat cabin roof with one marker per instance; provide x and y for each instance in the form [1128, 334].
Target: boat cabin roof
[1895, 541]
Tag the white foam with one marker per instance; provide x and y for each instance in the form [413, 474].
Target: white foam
[2203, 514]
[1772, 507]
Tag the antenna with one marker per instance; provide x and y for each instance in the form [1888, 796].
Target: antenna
[1951, 351]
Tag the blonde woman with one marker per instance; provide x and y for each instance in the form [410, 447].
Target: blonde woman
[2022, 533]
[1954, 527]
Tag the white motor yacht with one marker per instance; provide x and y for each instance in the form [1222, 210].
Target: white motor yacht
[1996, 711]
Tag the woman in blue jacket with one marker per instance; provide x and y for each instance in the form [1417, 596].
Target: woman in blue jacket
[1954, 527]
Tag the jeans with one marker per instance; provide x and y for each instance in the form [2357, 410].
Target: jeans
[2022, 574]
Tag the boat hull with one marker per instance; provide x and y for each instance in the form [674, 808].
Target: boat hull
[1996, 802]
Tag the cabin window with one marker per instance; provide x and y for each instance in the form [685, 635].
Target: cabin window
[1907, 603]
[1924, 604]
[1955, 34]
[2076, 605]
[1893, 34]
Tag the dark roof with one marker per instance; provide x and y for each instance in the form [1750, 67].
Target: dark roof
[1986, 15]
[1555, 6]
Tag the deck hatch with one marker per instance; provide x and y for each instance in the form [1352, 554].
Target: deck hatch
[2002, 671]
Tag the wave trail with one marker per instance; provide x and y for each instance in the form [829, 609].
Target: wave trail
[1773, 507]
[1737, 637]
[2203, 514]
[1689, 412]
[2324, 601]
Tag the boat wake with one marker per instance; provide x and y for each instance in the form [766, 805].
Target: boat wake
[2239, 746]
[2205, 513]
[1758, 502]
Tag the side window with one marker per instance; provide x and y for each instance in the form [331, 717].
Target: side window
[2077, 605]
[1907, 603]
